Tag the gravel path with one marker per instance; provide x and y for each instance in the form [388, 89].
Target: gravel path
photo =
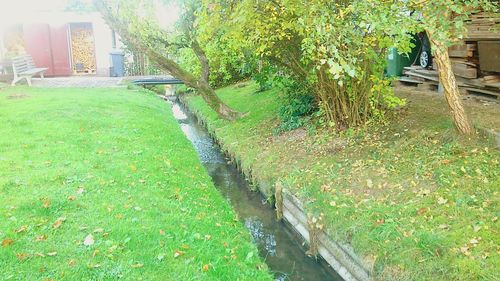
[78, 82]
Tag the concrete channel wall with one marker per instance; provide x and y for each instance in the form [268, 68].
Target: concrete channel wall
[339, 256]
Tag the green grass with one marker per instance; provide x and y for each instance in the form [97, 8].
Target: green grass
[414, 199]
[115, 165]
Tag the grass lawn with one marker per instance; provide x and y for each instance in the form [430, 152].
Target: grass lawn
[414, 199]
[98, 184]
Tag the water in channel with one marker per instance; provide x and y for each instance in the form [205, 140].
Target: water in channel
[277, 243]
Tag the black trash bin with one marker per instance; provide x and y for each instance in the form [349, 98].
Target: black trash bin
[117, 63]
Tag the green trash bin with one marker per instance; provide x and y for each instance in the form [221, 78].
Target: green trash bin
[396, 62]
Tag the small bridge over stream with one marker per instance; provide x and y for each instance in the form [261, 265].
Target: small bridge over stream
[155, 80]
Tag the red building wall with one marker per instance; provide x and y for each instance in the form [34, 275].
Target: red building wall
[49, 47]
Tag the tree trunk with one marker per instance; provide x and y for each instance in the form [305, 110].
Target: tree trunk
[215, 103]
[449, 82]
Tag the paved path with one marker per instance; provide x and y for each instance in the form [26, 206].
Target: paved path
[78, 82]
[94, 81]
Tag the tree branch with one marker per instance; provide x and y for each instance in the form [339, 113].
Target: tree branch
[202, 57]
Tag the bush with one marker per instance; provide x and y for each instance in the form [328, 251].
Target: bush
[297, 104]
[182, 89]
[264, 78]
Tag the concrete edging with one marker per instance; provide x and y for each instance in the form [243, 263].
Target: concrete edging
[340, 257]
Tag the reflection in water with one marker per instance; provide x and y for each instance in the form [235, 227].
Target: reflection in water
[178, 113]
[277, 244]
[259, 236]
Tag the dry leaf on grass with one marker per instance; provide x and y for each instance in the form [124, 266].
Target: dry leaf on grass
[137, 265]
[178, 253]
[58, 222]
[22, 256]
[7, 242]
[133, 168]
[22, 229]
[40, 238]
[46, 203]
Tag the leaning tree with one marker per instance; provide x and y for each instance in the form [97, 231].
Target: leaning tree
[135, 22]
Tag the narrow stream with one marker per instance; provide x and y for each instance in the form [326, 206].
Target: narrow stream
[277, 243]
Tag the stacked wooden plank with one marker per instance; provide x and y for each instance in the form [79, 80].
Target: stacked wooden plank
[464, 59]
[483, 26]
[416, 75]
[489, 58]
[489, 79]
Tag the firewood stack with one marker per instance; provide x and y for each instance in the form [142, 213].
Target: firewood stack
[82, 46]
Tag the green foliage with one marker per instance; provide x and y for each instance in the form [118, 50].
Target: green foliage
[297, 102]
[182, 89]
[230, 59]
[79, 6]
[157, 89]
[264, 76]
[335, 48]
[188, 60]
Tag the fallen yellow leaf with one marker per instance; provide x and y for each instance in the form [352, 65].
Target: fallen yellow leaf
[99, 230]
[58, 222]
[22, 256]
[46, 203]
[40, 238]
[7, 242]
[137, 265]
[205, 268]
[22, 229]
[178, 253]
